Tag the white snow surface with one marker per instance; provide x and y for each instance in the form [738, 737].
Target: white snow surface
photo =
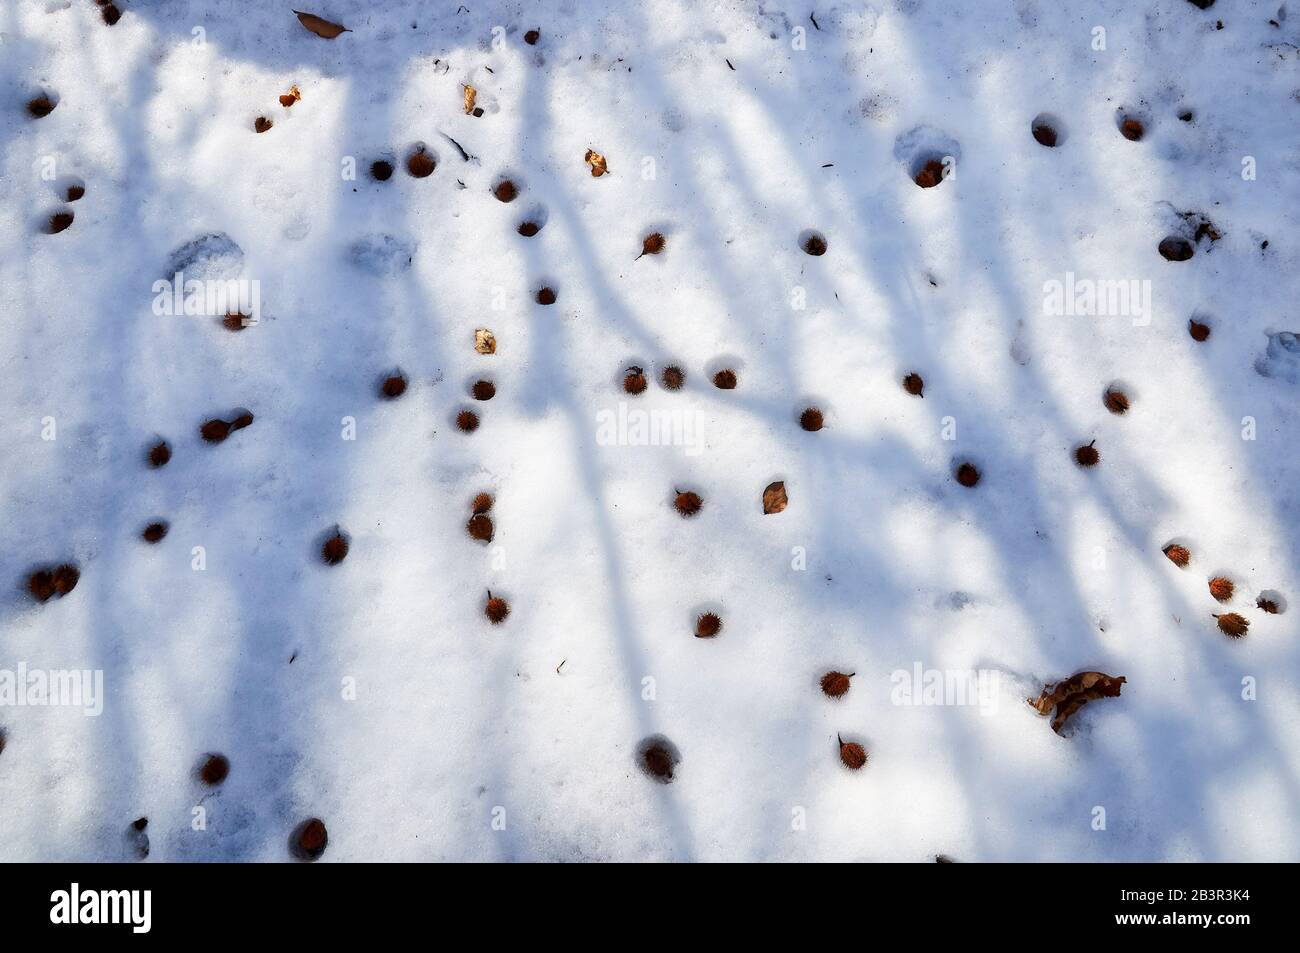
[408, 722]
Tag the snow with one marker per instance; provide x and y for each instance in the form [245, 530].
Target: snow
[409, 723]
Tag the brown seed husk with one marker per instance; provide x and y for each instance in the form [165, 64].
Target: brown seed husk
[688, 503]
[914, 384]
[852, 754]
[1180, 556]
[725, 380]
[496, 610]
[673, 377]
[480, 527]
[968, 475]
[774, 498]
[1116, 402]
[1221, 588]
[835, 684]
[335, 550]
[1233, 625]
[707, 626]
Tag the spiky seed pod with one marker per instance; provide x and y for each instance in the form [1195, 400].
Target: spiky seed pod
[1267, 605]
[725, 380]
[481, 503]
[506, 191]
[707, 626]
[1116, 401]
[654, 243]
[66, 578]
[262, 124]
[634, 381]
[483, 390]
[914, 384]
[1233, 625]
[532, 36]
[75, 192]
[812, 420]
[496, 609]
[1175, 248]
[110, 13]
[1180, 556]
[60, 221]
[154, 532]
[659, 762]
[41, 585]
[215, 430]
[234, 321]
[1221, 588]
[546, 295]
[673, 377]
[420, 164]
[931, 174]
[836, 684]
[814, 245]
[1045, 135]
[1087, 455]
[467, 421]
[528, 229]
[852, 754]
[159, 454]
[393, 387]
[1198, 331]
[41, 106]
[310, 839]
[335, 549]
[214, 770]
[480, 527]
[381, 170]
[1132, 129]
[688, 503]
[967, 475]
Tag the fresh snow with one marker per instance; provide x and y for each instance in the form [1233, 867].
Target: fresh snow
[415, 728]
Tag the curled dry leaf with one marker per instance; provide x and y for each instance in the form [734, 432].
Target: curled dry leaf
[320, 26]
[1073, 693]
[292, 96]
[470, 94]
[774, 498]
[485, 342]
[597, 162]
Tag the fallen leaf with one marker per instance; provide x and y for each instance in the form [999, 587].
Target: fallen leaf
[470, 93]
[485, 341]
[774, 498]
[292, 96]
[597, 162]
[1073, 693]
[320, 26]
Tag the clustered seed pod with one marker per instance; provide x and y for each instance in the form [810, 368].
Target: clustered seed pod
[483, 390]
[658, 762]
[154, 532]
[528, 229]
[688, 503]
[811, 420]
[506, 191]
[914, 385]
[532, 36]
[1178, 555]
[60, 221]
[546, 295]
[420, 164]
[467, 421]
[836, 684]
[46, 583]
[725, 379]
[653, 244]
[1221, 588]
[967, 475]
[159, 454]
[814, 245]
[673, 377]
[381, 170]
[393, 387]
[41, 106]
[1267, 605]
[1132, 129]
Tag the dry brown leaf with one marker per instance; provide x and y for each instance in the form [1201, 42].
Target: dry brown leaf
[774, 498]
[485, 341]
[597, 162]
[320, 26]
[470, 94]
[292, 96]
[1073, 693]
